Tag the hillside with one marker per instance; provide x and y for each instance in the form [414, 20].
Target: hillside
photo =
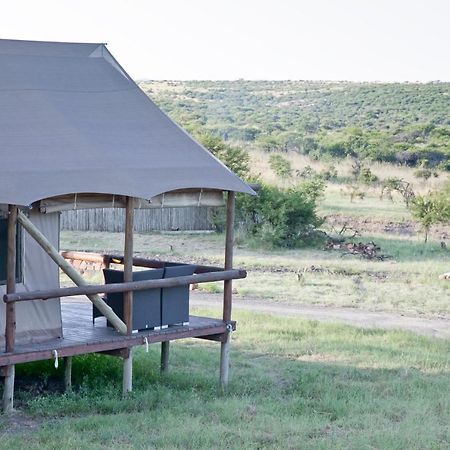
[406, 123]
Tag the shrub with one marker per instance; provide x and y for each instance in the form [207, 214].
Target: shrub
[329, 174]
[235, 158]
[355, 192]
[366, 176]
[444, 165]
[281, 217]
[398, 185]
[307, 172]
[431, 209]
[425, 173]
[281, 166]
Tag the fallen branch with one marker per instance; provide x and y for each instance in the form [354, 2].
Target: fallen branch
[368, 251]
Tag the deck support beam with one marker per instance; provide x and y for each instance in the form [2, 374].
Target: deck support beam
[227, 291]
[68, 373]
[10, 328]
[67, 268]
[165, 346]
[128, 295]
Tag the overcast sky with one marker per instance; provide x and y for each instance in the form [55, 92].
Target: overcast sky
[385, 40]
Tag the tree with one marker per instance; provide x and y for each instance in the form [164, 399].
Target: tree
[430, 210]
[281, 217]
[399, 185]
[235, 158]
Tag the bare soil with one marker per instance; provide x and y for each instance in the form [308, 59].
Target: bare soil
[374, 225]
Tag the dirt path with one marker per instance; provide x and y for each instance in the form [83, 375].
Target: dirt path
[366, 319]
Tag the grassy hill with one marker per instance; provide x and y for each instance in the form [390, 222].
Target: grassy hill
[400, 122]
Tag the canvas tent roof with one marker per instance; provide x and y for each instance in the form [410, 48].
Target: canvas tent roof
[73, 121]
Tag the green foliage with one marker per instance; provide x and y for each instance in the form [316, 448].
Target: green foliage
[235, 158]
[425, 173]
[281, 166]
[366, 176]
[329, 174]
[355, 192]
[282, 217]
[430, 210]
[393, 122]
[307, 172]
[399, 185]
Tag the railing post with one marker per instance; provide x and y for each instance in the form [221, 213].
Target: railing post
[128, 295]
[227, 291]
[10, 327]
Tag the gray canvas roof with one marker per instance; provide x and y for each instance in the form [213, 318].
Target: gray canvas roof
[73, 121]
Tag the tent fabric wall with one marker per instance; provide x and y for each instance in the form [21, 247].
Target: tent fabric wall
[37, 320]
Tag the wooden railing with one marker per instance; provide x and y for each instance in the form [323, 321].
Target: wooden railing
[222, 275]
[202, 274]
[107, 259]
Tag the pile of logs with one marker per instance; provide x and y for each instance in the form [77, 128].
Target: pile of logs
[86, 266]
[368, 251]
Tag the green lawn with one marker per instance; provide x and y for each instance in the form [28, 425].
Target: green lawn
[295, 384]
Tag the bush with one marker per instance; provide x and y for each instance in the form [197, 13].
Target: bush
[281, 166]
[235, 158]
[329, 174]
[366, 176]
[281, 217]
[425, 173]
[431, 209]
[307, 172]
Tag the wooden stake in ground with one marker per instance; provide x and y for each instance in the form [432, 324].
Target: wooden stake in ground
[227, 292]
[10, 329]
[68, 373]
[70, 271]
[165, 346]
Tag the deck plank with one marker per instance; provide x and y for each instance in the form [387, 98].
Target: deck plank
[81, 336]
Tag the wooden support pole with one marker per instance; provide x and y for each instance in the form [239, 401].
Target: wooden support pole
[165, 346]
[128, 295]
[68, 373]
[10, 328]
[70, 271]
[227, 291]
[225, 362]
[127, 384]
[128, 264]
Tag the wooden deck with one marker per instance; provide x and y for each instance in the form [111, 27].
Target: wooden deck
[81, 336]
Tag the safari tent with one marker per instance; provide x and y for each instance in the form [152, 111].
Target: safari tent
[77, 132]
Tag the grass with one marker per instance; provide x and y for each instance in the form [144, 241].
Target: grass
[259, 162]
[337, 202]
[407, 283]
[295, 384]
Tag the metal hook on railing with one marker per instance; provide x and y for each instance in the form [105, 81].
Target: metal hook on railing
[146, 344]
[55, 355]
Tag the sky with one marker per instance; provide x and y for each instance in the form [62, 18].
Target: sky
[356, 40]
